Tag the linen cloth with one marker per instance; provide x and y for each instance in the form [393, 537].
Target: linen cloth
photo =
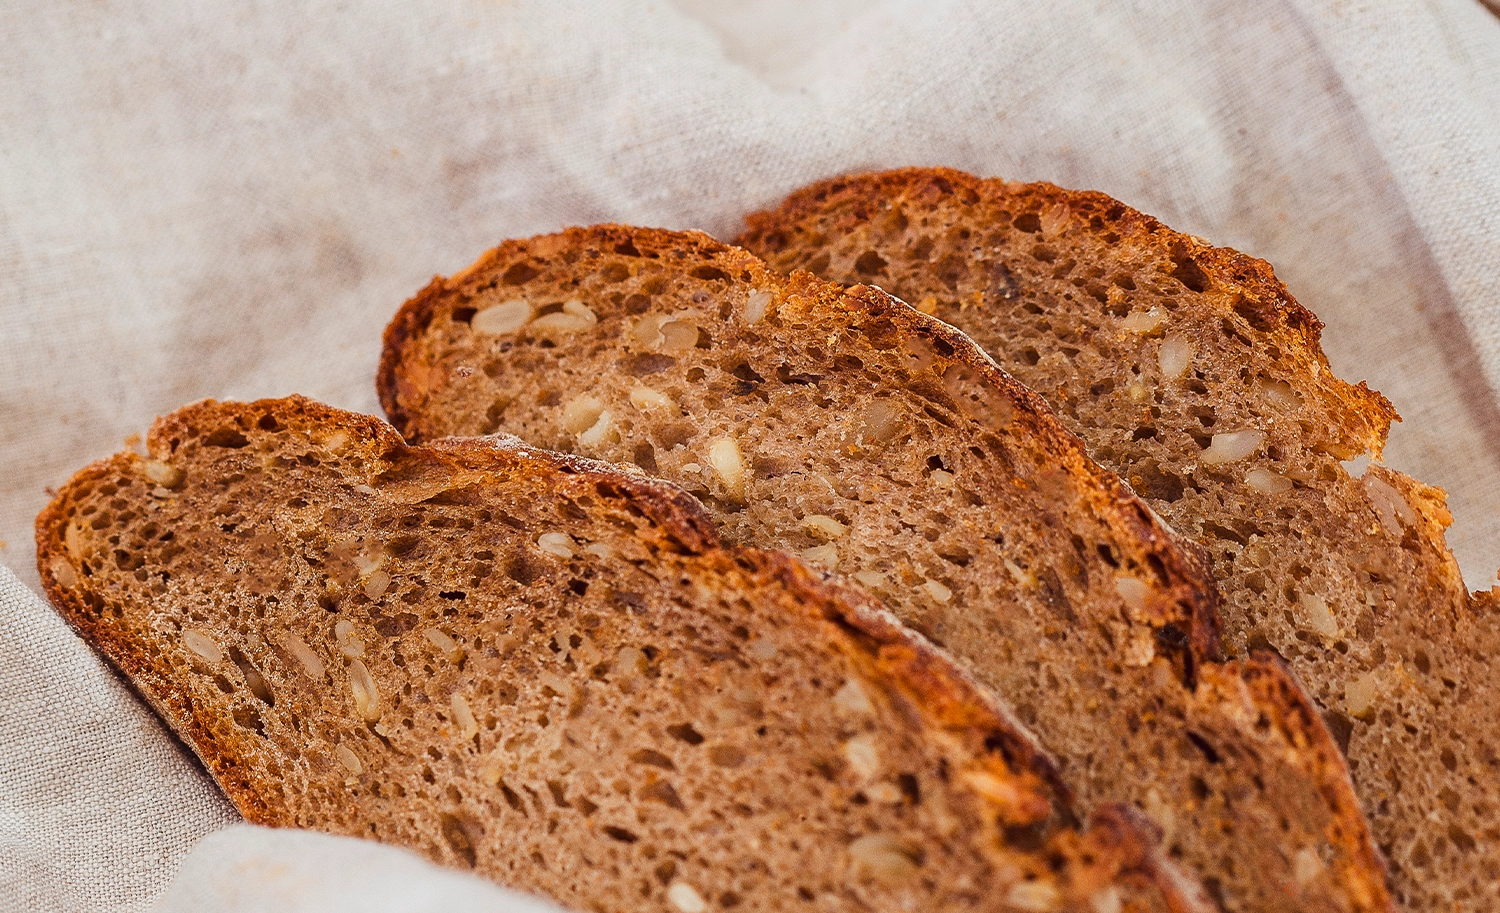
[231, 199]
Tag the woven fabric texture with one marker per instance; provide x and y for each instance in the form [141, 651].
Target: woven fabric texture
[230, 200]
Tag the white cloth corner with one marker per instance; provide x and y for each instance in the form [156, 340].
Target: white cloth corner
[248, 869]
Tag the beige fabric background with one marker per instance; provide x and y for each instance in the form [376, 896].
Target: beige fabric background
[231, 199]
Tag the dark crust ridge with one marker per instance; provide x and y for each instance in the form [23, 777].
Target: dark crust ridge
[937, 695]
[1182, 561]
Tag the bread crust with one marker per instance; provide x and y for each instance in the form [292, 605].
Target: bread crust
[937, 696]
[416, 375]
[401, 380]
[1266, 295]
[1397, 663]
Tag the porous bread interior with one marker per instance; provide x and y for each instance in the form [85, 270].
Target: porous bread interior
[567, 698]
[1347, 576]
[875, 449]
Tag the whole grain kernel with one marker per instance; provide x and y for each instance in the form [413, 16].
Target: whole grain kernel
[1317, 617]
[873, 580]
[1267, 481]
[164, 474]
[685, 898]
[1018, 805]
[1037, 896]
[1306, 866]
[1107, 900]
[862, 756]
[1175, 355]
[349, 643]
[468, 727]
[821, 555]
[824, 527]
[202, 645]
[647, 332]
[756, 306]
[1054, 219]
[647, 399]
[304, 655]
[630, 662]
[939, 593]
[601, 432]
[445, 644]
[505, 317]
[1231, 446]
[349, 759]
[368, 559]
[63, 573]
[575, 317]
[581, 413]
[366, 694]
[851, 698]
[377, 584]
[1278, 392]
[559, 544]
[1390, 505]
[884, 857]
[1359, 694]
[1143, 322]
[728, 464]
[678, 336]
[1135, 593]
[882, 421]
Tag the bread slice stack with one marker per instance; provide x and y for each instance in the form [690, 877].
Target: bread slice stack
[880, 443]
[1193, 373]
[552, 673]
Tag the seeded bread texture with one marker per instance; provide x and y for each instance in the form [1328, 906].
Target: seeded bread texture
[1191, 372]
[551, 673]
[874, 440]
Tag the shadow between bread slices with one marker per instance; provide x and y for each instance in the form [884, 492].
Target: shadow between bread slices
[1193, 373]
[552, 673]
[884, 445]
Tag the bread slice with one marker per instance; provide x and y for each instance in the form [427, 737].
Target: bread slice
[551, 673]
[1191, 372]
[875, 440]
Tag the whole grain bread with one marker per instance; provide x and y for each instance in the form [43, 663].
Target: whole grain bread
[553, 674]
[872, 439]
[1194, 374]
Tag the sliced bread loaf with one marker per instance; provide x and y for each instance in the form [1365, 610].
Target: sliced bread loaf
[877, 441]
[1191, 372]
[551, 673]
